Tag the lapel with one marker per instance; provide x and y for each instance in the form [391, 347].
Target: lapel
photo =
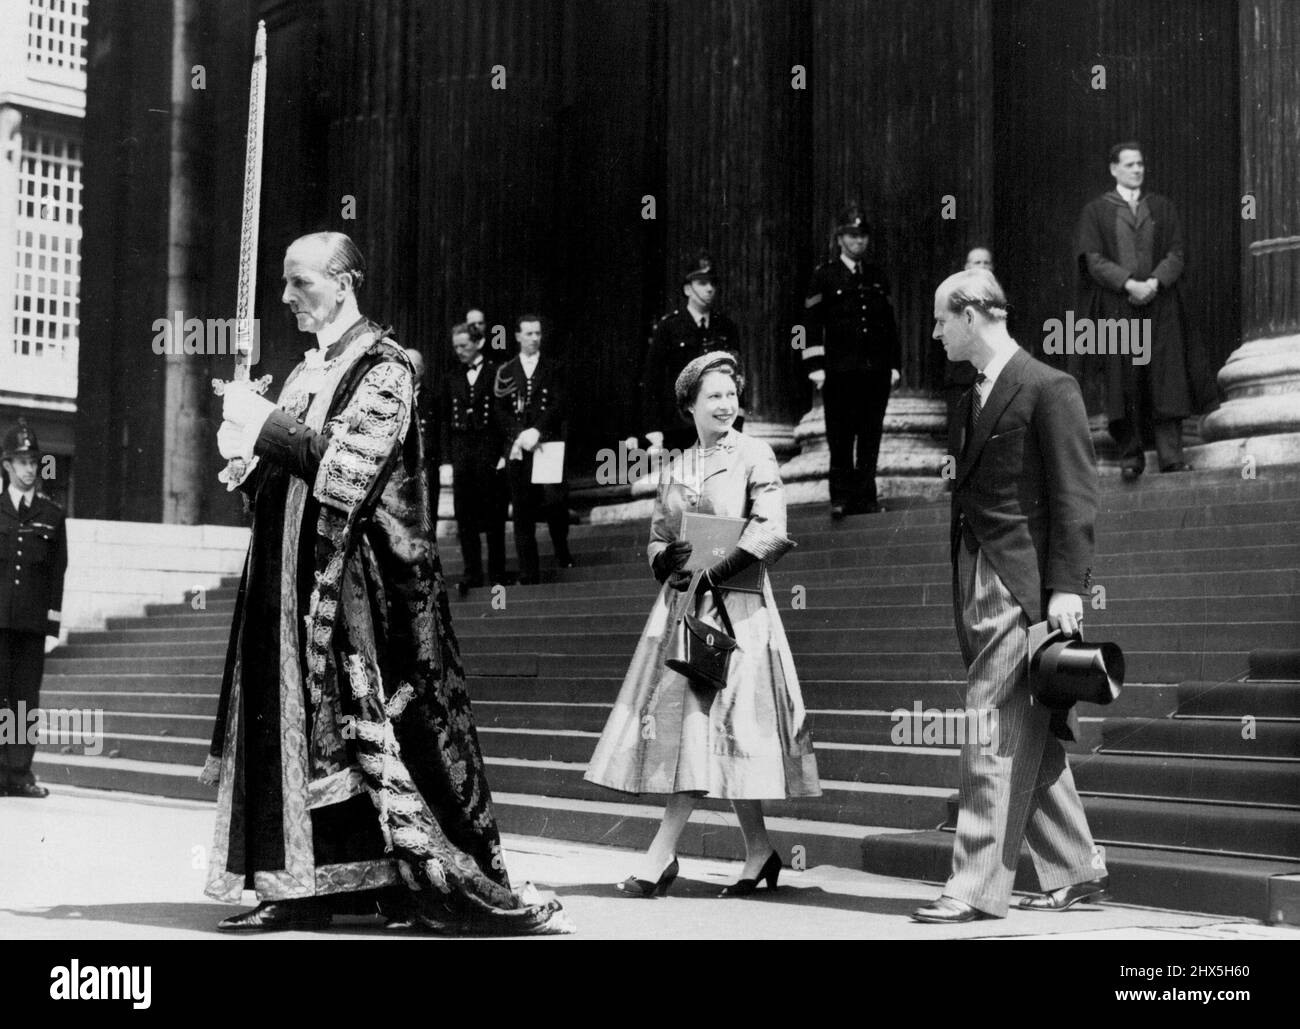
[1004, 389]
[7, 507]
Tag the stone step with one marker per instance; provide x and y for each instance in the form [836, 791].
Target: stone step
[1175, 879]
[601, 617]
[1262, 738]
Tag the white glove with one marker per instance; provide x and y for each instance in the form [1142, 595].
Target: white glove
[656, 439]
[894, 376]
[528, 439]
[233, 441]
[818, 377]
[242, 405]
[630, 443]
[501, 463]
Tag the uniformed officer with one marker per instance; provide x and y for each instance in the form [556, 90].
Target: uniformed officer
[33, 558]
[530, 401]
[472, 440]
[676, 340]
[854, 359]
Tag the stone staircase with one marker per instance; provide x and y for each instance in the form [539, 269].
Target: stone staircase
[1191, 780]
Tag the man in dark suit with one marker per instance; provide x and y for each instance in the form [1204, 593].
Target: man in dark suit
[1129, 247]
[678, 338]
[530, 410]
[1023, 505]
[33, 558]
[472, 441]
[854, 361]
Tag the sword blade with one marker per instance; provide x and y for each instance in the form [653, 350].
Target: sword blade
[247, 282]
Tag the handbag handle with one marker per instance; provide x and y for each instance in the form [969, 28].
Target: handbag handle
[694, 592]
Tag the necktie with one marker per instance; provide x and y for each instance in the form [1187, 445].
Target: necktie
[857, 271]
[23, 508]
[976, 402]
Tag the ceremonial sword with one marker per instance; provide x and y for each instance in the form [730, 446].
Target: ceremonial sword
[245, 327]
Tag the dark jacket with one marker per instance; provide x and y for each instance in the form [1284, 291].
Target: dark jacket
[1026, 484]
[467, 418]
[675, 341]
[853, 329]
[33, 559]
[536, 403]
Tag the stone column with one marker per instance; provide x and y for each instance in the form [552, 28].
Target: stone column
[1261, 379]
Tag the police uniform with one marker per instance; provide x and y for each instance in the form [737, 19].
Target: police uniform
[472, 440]
[676, 340]
[33, 558]
[855, 341]
[536, 402]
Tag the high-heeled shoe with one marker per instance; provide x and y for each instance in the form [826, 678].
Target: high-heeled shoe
[744, 887]
[634, 887]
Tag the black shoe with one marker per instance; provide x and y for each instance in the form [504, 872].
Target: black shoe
[1177, 466]
[462, 588]
[872, 508]
[948, 911]
[1130, 474]
[278, 916]
[1067, 896]
[30, 790]
[634, 887]
[838, 511]
[565, 560]
[744, 887]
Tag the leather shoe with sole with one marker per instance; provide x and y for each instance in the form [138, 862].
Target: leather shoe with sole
[30, 790]
[1067, 896]
[279, 916]
[949, 911]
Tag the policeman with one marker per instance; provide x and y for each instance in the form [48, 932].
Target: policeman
[854, 360]
[472, 440]
[33, 558]
[676, 340]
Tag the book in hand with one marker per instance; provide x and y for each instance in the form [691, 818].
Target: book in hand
[713, 537]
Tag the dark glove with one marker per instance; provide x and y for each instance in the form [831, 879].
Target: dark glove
[670, 559]
[680, 579]
[737, 561]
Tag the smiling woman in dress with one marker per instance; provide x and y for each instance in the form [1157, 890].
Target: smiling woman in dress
[750, 741]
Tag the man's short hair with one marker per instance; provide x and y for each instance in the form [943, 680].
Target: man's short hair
[519, 322]
[977, 288]
[341, 255]
[461, 328]
[1119, 148]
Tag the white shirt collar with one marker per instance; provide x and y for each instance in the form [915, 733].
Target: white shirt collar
[529, 363]
[849, 263]
[347, 317]
[1130, 195]
[697, 317]
[995, 366]
[16, 495]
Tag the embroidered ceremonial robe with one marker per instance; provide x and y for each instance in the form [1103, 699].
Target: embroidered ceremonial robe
[345, 745]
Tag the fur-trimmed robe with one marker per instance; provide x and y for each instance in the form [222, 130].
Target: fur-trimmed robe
[345, 743]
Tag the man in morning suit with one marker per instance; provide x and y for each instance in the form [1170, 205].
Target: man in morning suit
[471, 435]
[1023, 505]
[530, 410]
[33, 558]
[854, 358]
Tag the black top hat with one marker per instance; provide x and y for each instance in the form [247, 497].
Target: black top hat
[1065, 671]
[21, 440]
[700, 270]
[852, 220]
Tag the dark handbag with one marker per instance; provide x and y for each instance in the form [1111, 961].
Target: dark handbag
[703, 651]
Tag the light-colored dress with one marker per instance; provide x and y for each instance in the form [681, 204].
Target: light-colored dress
[752, 740]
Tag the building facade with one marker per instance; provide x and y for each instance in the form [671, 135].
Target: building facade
[42, 106]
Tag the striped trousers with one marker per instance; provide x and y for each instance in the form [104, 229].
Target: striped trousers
[1018, 786]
